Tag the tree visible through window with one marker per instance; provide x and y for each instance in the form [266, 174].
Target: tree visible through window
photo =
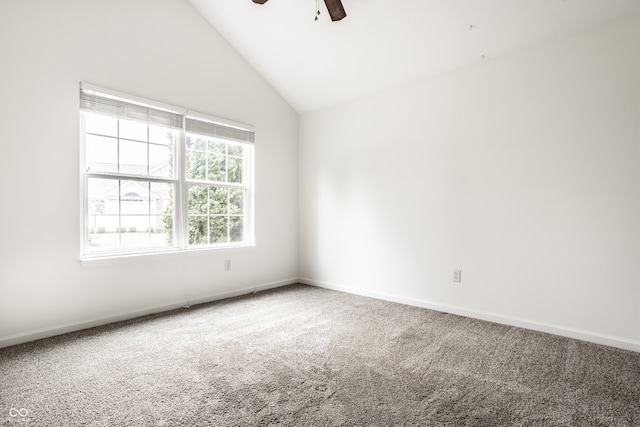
[216, 191]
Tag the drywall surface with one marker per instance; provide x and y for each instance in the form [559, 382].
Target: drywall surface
[521, 171]
[161, 50]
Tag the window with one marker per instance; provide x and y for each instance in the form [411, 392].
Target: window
[160, 178]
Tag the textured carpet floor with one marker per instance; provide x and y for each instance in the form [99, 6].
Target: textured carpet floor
[306, 356]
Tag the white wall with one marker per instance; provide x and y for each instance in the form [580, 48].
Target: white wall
[157, 49]
[521, 171]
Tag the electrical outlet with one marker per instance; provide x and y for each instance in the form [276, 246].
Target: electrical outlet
[457, 276]
[227, 265]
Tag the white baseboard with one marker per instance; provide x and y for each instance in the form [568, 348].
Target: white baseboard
[37, 334]
[583, 335]
[243, 291]
[594, 337]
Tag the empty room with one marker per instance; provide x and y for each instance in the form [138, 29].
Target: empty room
[320, 212]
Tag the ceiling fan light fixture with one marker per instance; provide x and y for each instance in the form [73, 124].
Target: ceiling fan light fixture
[335, 8]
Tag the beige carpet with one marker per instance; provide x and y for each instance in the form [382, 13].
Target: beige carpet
[306, 356]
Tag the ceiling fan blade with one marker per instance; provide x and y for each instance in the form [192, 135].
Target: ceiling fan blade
[336, 11]
[260, 1]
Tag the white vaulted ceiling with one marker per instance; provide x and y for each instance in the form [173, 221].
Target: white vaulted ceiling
[385, 43]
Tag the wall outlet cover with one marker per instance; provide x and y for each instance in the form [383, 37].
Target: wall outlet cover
[457, 276]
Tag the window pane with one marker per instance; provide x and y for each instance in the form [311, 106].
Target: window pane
[104, 193]
[236, 150]
[196, 165]
[158, 235]
[101, 153]
[133, 130]
[104, 241]
[134, 240]
[198, 230]
[129, 214]
[219, 229]
[198, 200]
[101, 125]
[161, 230]
[195, 142]
[161, 135]
[133, 234]
[216, 147]
[218, 201]
[103, 218]
[161, 160]
[161, 198]
[133, 157]
[134, 199]
[216, 168]
[135, 224]
[236, 228]
[215, 215]
[162, 223]
[235, 169]
[236, 201]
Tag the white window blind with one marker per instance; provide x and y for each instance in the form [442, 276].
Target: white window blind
[218, 130]
[92, 100]
[114, 107]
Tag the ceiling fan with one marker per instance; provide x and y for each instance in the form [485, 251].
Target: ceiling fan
[336, 11]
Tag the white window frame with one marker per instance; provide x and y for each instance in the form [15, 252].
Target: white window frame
[227, 128]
